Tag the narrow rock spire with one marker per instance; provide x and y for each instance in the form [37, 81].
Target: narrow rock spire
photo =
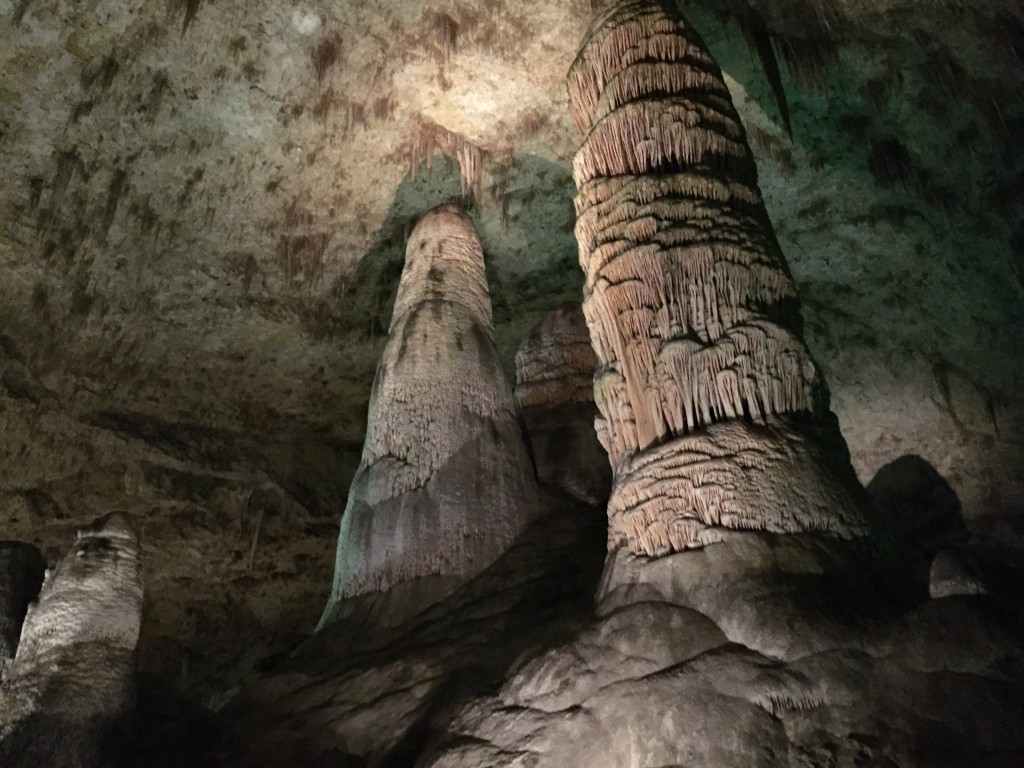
[445, 483]
[706, 388]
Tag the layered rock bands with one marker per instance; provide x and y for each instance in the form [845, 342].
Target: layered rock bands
[691, 307]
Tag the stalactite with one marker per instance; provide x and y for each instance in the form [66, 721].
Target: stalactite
[447, 30]
[760, 42]
[689, 300]
[430, 139]
[325, 55]
[807, 58]
[190, 8]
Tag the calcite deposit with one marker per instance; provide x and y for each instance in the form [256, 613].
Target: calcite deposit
[555, 390]
[70, 691]
[690, 303]
[445, 483]
[204, 214]
[21, 575]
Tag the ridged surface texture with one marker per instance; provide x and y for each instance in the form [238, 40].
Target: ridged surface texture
[690, 304]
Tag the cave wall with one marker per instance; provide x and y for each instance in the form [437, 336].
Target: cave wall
[205, 208]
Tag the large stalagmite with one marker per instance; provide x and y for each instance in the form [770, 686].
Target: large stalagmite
[445, 483]
[70, 691]
[714, 415]
[555, 390]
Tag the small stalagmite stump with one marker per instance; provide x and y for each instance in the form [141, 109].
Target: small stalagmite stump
[22, 568]
[70, 690]
[445, 484]
[555, 390]
[705, 386]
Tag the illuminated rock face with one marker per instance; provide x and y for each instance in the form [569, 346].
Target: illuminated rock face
[21, 574]
[555, 390]
[445, 483]
[692, 310]
[71, 687]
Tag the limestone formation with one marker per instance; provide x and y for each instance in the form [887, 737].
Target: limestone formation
[555, 390]
[445, 483]
[21, 574]
[704, 381]
[953, 573]
[71, 688]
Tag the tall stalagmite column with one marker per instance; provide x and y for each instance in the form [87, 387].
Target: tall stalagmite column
[445, 483]
[70, 691]
[713, 412]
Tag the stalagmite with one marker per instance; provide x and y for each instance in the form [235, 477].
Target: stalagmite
[445, 483]
[713, 413]
[71, 688]
[555, 390]
[21, 575]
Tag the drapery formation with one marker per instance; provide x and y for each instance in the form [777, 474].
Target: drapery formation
[691, 307]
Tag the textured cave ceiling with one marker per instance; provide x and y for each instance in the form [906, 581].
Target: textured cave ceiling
[204, 213]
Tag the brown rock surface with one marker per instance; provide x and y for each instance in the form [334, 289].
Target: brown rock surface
[555, 390]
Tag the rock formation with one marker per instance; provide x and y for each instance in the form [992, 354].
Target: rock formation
[71, 688]
[555, 390]
[21, 575]
[768, 647]
[445, 483]
[711, 405]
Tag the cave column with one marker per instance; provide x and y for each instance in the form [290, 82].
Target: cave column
[713, 413]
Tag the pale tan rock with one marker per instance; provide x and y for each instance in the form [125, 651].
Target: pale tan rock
[71, 687]
[555, 390]
[682, 493]
[555, 363]
[445, 483]
[689, 300]
[21, 575]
